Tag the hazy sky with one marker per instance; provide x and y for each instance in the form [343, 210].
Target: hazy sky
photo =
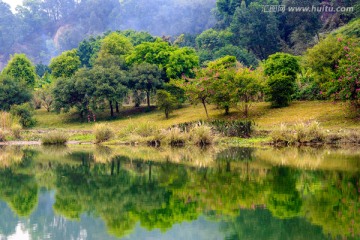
[13, 3]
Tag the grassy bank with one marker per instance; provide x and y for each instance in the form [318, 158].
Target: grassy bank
[333, 117]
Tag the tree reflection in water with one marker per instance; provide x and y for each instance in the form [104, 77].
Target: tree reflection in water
[251, 197]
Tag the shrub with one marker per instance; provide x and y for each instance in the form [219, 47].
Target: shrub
[103, 133]
[16, 130]
[54, 138]
[202, 135]
[298, 134]
[6, 120]
[175, 137]
[279, 90]
[25, 114]
[235, 128]
[3, 134]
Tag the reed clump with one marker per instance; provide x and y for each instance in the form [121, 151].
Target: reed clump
[103, 132]
[55, 138]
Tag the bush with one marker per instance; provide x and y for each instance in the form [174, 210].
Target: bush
[202, 135]
[298, 134]
[103, 133]
[54, 138]
[25, 114]
[280, 89]
[6, 120]
[16, 130]
[235, 128]
[175, 137]
[3, 134]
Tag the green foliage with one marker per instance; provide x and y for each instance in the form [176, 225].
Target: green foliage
[177, 92]
[236, 128]
[282, 69]
[258, 30]
[42, 69]
[12, 92]
[146, 77]
[166, 102]
[25, 113]
[174, 61]
[65, 65]
[347, 85]
[88, 50]
[103, 133]
[243, 56]
[351, 29]
[55, 138]
[323, 57]
[115, 44]
[249, 85]
[44, 96]
[137, 38]
[307, 88]
[282, 63]
[182, 61]
[21, 69]
[279, 90]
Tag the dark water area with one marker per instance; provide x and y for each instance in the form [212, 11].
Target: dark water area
[187, 193]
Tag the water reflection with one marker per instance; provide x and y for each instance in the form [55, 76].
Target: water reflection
[233, 193]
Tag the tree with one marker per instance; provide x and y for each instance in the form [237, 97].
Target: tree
[65, 65]
[182, 61]
[222, 82]
[323, 58]
[78, 91]
[347, 85]
[146, 77]
[166, 102]
[110, 86]
[115, 44]
[45, 96]
[21, 69]
[12, 92]
[25, 113]
[282, 69]
[259, 30]
[249, 86]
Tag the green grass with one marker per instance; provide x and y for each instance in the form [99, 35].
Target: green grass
[332, 116]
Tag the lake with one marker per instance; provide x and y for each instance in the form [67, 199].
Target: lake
[89, 192]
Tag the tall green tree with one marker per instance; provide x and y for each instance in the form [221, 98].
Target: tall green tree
[110, 86]
[146, 77]
[282, 69]
[21, 69]
[65, 65]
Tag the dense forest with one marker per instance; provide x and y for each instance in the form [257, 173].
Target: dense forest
[43, 29]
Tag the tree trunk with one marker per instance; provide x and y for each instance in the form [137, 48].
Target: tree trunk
[111, 109]
[117, 107]
[204, 104]
[246, 107]
[148, 98]
[227, 110]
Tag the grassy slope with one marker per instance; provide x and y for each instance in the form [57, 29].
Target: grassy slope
[331, 116]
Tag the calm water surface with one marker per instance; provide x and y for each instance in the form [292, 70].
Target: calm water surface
[189, 193]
